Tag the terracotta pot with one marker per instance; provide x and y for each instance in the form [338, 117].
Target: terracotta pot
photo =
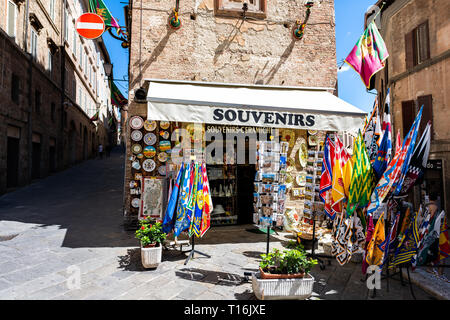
[265, 275]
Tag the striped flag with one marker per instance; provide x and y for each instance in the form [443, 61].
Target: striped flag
[408, 245]
[326, 179]
[375, 252]
[444, 244]
[341, 157]
[207, 203]
[198, 212]
[168, 222]
[392, 173]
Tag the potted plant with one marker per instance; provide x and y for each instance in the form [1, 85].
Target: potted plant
[284, 275]
[150, 235]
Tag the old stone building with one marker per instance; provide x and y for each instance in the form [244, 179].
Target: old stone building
[416, 33]
[52, 82]
[231, 42]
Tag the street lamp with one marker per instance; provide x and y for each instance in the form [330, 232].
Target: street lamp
[108, 69]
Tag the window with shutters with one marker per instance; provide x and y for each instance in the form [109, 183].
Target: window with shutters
[11, 19]
[408, 115]
[34, 44]
[234, 8]
[417, 46]
[427, 113]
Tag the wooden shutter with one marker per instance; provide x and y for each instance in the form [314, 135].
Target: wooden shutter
[410, 50]
[408, 112]
[427, 114]
[423, 41]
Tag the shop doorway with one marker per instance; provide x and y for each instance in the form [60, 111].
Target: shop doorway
[12, 162]
[52, 159]
[246, 177]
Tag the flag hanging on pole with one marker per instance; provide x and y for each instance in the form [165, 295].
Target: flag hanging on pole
[419, 160]
[183, 201]
[362, 177]
[372, 148]
[326, 179]
[198, 212]
[369, 55]
[95, 116]
[444, 243]
[408, 245]
[207, 203]
[382, 158]
[168, 222]
[338, 190]
[117, 97]
[369, 127]
[99, 7]
[394, 169]
[375, 252]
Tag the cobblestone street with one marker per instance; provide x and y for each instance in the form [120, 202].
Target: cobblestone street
[74, 218]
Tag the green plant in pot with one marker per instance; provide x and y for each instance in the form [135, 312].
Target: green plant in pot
[150, 233]
[287, 264]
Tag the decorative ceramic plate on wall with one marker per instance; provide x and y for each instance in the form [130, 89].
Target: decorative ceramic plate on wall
[149, 165]
[135, 203]
[136, 135]
[303, 155]
[136, 148]
[133, 184]
[149, 152]
[164, 145]
[150, 139]
[164, 125]
[164, 134]
[150, 125]
[162, 157]
[136, 122]
[162, 170]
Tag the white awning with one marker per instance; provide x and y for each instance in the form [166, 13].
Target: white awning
[251, 105]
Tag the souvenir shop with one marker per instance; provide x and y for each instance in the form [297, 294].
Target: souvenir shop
[259, 149]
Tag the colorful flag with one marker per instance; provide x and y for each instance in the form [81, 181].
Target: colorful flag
[394, 169]
[117, 98]
[95, 116]
[391, 236]
[369, 127]
[362, 177]
[444, 243]
[382, 159]
[168, 222]
[198, 212]
[183, 199]
[398, 142]
[326, 179]
[341, 157]
[372, 148]
[408, 245]
[430, 232]
[207, 203]
[369, 55]
[99, 7]
[419, 160]
[406, 164]
[375, 252]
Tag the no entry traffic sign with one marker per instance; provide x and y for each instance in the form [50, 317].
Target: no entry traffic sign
[90, 26]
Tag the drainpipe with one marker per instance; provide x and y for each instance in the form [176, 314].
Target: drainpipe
[30, 93]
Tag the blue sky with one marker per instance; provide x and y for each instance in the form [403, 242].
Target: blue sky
[349, 27]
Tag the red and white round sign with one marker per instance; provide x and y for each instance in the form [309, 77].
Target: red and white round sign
[90, 26]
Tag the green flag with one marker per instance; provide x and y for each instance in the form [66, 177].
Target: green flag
[117, 98]
[361, 184]
[99, 7]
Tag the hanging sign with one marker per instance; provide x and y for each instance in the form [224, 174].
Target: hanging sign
[90, 26]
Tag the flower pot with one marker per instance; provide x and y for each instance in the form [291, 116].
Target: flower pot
[282, 289]
[265, 275]
[151, 257]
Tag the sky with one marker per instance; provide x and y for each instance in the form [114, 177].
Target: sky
[349, 27]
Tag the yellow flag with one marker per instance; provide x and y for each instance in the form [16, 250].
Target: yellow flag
[347, 176]
[375, 254]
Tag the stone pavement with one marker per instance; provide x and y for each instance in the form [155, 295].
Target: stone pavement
[71, 223]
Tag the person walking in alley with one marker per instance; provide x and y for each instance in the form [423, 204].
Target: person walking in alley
[100, 150]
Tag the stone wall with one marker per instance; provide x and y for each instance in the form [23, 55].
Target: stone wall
[228, 49]
[429, 78]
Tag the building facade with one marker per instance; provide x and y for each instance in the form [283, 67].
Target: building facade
[416, 33]
[52, 82]
[232, 42]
